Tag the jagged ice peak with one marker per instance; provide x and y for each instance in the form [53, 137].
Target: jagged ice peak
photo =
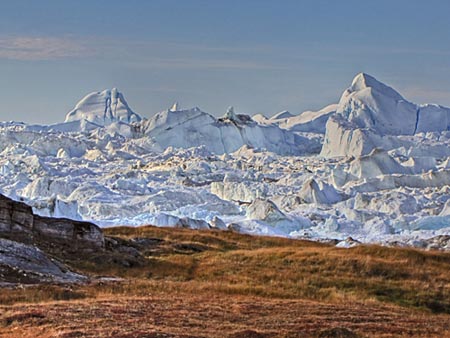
[103, 108]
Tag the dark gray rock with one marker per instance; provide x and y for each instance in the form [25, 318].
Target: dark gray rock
[21, 263]
[17, 219]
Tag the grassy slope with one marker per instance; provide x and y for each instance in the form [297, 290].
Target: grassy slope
[226, 266]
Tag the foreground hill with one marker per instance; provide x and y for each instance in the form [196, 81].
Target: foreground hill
[195, 283]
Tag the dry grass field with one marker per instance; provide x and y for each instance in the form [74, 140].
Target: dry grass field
[186, 283]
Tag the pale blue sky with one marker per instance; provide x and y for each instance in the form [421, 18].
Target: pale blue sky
[259, 56]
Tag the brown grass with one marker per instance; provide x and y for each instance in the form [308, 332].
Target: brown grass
[210, 314]
[219, 284]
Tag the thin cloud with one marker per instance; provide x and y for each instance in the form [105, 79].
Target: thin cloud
[143, 54]
[26, 48]
[209, 64]
[158, 55]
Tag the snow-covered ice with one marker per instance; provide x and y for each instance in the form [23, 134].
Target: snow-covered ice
[373, 167]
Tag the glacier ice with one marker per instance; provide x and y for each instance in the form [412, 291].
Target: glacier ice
[103, 108]
[373, 167]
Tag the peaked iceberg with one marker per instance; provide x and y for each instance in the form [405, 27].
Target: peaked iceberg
[103, 108]
[371, 114]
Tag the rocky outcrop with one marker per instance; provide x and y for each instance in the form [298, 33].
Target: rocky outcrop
[17, 220]
[26, 264]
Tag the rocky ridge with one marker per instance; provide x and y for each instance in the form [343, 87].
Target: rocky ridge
[21, 232]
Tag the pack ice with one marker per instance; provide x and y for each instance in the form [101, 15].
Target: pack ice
[374, 166]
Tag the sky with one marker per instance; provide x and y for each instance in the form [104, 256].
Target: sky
[260, 56]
